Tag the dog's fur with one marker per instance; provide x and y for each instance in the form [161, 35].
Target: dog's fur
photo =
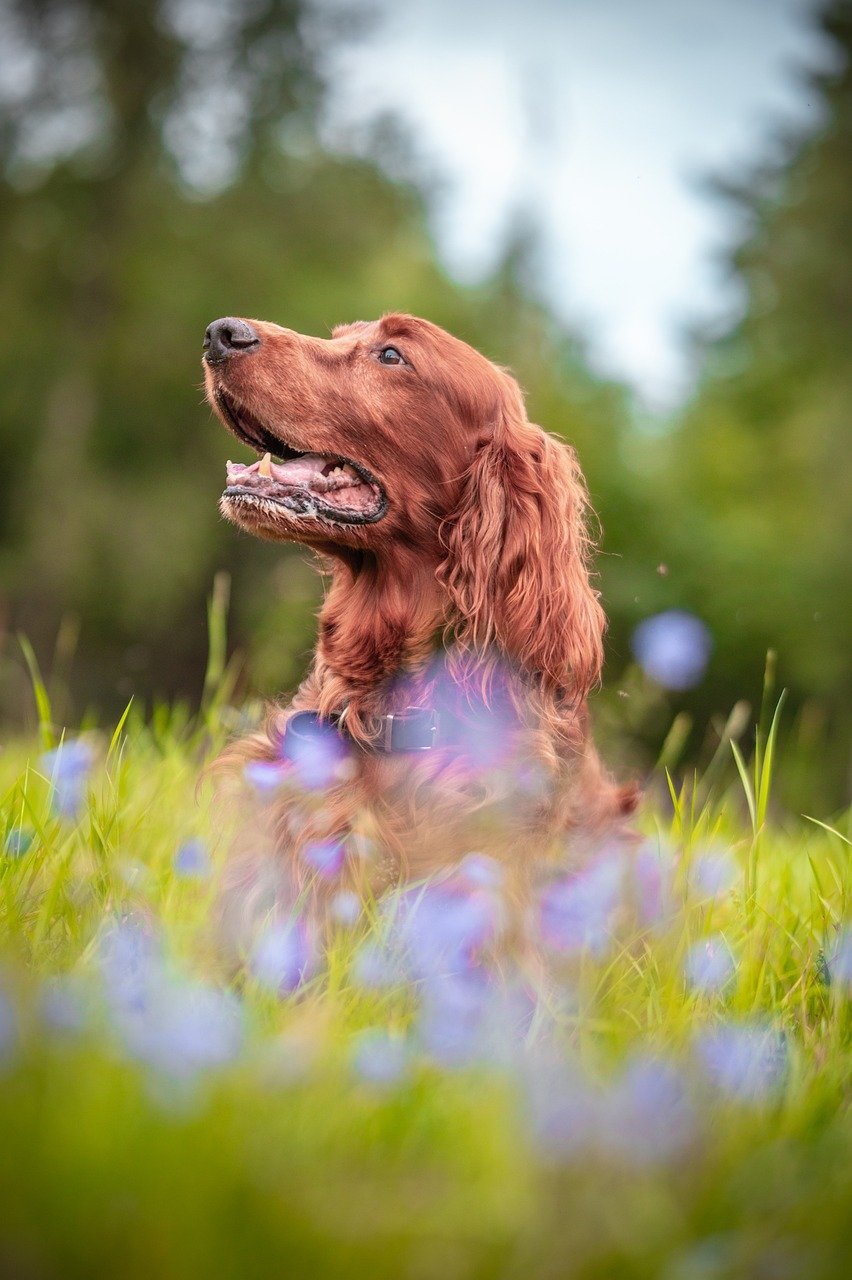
[476, 577]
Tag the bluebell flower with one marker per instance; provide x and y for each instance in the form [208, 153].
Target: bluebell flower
[319, 759]
[442, 927]
[673, 648]
[576, 912]
[345, 908]
[839, 961]
[374, 968]
[648, 1116]
[713, 872]
[68, 767]
[709, 964]
[264, 775]
[63, 1005]
[130, 960]
[8, 1028]
[284, 956]
[326, 857]
[187, 1027]
[458, 1022]
[564, 1109]
[745, 1061]
[480, 871]
[192, 860]
[651, 870]
[379, 1058]
[18, 842]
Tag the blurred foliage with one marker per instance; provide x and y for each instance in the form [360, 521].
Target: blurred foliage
[160, 165]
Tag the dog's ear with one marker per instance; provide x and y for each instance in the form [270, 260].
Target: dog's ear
[517, 551]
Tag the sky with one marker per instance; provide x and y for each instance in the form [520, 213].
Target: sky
[600, 120]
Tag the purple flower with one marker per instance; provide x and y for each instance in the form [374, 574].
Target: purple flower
[709, 964]
[840, 961]
[648, 1116]
[68, 767]
[192, 860]
[379, 1058]
[284, 956]
[479, 871]
[130, 958]
[745, 1061]
[713, 872]
[564, 1109]
[319, 758]
[18, 842]
[443, 927]
[63, 1006]
[374, 969]
[651, 871]
[326, 857]
[264, 775]
[345, 908]
[8, 1028]
[576, 912]
[458, 1014]
[673, 648]
[187, 1027]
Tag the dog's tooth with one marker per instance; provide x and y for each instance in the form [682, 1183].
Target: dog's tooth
[265, 468]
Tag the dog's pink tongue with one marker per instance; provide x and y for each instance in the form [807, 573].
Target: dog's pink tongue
[297, 472]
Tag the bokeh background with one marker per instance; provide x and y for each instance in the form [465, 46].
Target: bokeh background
[643, 209]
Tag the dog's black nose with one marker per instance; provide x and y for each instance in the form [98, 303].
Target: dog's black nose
[228, 336]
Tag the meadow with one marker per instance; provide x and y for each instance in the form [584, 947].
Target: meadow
[669, 1101]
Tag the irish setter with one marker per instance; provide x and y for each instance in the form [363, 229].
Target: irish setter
[445, 706]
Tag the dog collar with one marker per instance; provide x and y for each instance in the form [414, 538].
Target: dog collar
[413, 729]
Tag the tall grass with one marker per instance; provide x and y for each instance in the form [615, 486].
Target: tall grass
[329, 1136]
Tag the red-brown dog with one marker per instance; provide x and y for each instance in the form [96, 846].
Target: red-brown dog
[460, 635]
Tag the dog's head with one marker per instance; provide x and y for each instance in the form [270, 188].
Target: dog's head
[395, 435]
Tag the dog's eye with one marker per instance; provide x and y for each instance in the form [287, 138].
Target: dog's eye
[390, 355]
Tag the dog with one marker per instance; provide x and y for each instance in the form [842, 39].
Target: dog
[445, 708]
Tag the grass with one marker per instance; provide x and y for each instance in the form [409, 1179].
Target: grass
[300, 1154]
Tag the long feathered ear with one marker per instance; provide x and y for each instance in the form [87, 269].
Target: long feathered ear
[518, 547]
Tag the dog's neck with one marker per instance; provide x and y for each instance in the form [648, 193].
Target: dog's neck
[378, 619]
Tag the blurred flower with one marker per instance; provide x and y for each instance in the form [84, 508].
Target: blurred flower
[380, 1058]
[576, 912]
[8, 1028]
[68, 767]
[374, 968]
[345, 908]
[64, 1005]
[320, 757]
[672, 648]
[456, 1024]
[326, 857]
[651, 870]
[648, 1116]
[746, 1061]
[284, 956]
[130, 956]
[188, 1027]
[192, 860]
[442, 927]
[481, 871]
[264, 775]
[564, 1109]
[839, 963]
[713, 872]
[709, 964]
[178, 1026]
[18, 842]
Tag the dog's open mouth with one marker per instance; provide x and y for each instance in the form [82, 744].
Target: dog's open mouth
[306, 484]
